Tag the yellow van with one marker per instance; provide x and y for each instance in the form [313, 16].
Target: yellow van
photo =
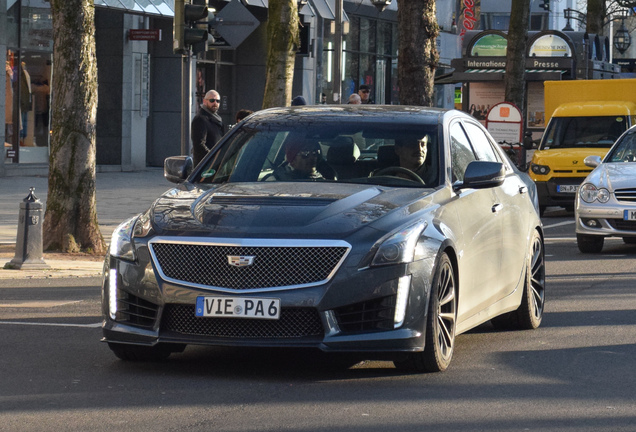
[576, 130]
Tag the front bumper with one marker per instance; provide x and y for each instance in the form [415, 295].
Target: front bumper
[550, 196]
[605, 220]
[353, 312]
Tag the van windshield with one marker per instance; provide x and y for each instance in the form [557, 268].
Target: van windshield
[572, 132]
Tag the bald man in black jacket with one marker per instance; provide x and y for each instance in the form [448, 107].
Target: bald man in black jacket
[207, 127]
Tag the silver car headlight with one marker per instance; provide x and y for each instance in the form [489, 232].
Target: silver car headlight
[121, 244]
[590, 193]
[399, 247]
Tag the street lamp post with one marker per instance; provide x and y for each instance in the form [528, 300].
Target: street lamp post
[337, 58]
[622, 39]
[381, 4]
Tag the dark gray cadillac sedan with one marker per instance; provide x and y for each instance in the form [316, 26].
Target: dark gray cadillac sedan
[382, 230]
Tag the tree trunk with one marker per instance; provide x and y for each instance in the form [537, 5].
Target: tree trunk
[515, 77]
[417, 57]
[282, 44]
[70, 221]
[595, 16]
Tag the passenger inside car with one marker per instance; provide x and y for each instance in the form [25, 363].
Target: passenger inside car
[303, 161]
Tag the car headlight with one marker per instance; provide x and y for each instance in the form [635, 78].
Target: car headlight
[142, 227]
[399, 247]
[540, 169]
[589, 193]
[121, 244]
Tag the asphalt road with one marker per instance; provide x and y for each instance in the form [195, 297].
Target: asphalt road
[574, 373]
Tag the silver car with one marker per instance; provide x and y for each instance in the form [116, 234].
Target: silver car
[606, 200]
[380, 230]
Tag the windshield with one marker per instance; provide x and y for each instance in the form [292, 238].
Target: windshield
[361, 152]
[573, 132]
[624, 150]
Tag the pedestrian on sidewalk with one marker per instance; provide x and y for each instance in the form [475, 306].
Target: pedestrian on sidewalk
[207, 127]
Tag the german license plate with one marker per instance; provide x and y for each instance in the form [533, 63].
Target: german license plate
[629, 215]
[567, 188]
[238, 307]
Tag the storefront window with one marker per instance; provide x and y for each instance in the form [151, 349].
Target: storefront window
[28, 82]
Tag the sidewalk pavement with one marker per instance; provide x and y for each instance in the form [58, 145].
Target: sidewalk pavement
[120, 195]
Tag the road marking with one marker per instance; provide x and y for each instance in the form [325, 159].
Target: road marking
[36, 303]
[95, 325]
[558, 224]
[610, 239]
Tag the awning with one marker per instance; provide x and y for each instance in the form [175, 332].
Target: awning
[150, 7]
[325, 9]
[158, 7]
[498, 75]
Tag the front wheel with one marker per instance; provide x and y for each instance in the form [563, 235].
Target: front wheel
[590, 243]
[440, 323]
[530, 312]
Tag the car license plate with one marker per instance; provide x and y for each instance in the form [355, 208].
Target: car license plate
[567, 188]
[238, 307]
[629, 215]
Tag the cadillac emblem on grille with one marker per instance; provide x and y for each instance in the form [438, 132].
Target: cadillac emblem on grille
[240, 260]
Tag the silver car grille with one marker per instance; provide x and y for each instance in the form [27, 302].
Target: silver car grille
[288, 264]
[626, 195]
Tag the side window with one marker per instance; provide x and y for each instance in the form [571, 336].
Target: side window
[481, 143]
[461, 151]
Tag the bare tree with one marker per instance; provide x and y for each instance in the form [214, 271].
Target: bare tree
[282, 44]
[514, 80]
[70, 221]
[417, 57]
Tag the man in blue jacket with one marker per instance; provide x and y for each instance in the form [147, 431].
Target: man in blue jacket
[207, 127]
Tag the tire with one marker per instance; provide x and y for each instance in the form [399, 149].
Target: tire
[441, 323]
[629, 240]
[590, 243]
[530, 312]
[144, 353]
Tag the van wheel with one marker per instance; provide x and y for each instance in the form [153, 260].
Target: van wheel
[590, 243]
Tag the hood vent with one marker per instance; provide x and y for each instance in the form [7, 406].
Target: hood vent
[270, 201]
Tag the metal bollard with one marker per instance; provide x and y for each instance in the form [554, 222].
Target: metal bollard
[28, 247]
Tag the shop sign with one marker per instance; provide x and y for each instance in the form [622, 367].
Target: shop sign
[504, 123]
[550, 46]
[491, 45]
[469, 15]
[144, 34]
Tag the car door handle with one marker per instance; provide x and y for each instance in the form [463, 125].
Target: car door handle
[523, 189]
[497, 208]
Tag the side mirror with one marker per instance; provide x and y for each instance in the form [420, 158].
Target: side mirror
[177, 168]
[528, 143]
[482, 175]
[592, 161]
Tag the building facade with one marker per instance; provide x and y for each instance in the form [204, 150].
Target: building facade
[139, 76]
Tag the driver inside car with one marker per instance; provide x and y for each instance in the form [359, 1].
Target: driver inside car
[412, 154]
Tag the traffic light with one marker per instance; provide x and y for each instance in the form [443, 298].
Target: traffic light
[545, 4]
[185, 34]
